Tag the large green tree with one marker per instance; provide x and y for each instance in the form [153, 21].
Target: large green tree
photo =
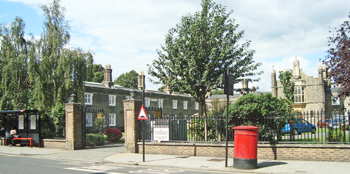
[128, 80]
[57, 70]
[338, 58]
[16, 91]
[199, 50]
[96, 73]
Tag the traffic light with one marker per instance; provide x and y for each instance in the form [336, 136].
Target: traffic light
[228, 89]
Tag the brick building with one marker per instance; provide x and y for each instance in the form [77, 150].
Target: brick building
[109, 98]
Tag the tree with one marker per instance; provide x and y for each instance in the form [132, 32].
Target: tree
[288, 90]
[96, 73]
[57, 70]
[217, 92]
[16, 91]
[199, 50]
[251, 106]
[338, 59]
[288, 86]
[161, 88]
[128, 80]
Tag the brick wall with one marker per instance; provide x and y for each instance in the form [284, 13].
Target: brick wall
[55, 143]
[313, 152]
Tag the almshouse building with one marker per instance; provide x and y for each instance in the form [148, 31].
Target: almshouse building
[108, 99]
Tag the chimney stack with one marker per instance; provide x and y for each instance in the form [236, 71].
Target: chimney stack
[107, 76]
[245, 89]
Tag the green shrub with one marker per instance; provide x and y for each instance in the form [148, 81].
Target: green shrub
[335, 135]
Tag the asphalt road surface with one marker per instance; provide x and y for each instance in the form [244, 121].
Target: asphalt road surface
[13, 164]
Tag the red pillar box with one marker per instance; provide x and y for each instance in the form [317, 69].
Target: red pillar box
[245, 147]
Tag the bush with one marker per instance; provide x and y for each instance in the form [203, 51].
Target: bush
[335, 135]
[113, 134]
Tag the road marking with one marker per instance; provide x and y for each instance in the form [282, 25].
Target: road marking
[96, 169]
[153, 171]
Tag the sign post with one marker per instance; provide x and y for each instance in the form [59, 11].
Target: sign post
[143, 116]
[228, 90]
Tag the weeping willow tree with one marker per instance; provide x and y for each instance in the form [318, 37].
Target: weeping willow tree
[57, 70]
[42, 74]
[16, 91]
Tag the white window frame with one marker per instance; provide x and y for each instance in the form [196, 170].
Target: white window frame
[88, 120]
[160, 103]
[147, 102]
[88, 98]
[112, 119]
[196, 106]
[185, 105]
[299, 94]
[174, 104]
[112, 100]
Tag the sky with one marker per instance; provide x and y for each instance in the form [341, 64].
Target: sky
[126, 34]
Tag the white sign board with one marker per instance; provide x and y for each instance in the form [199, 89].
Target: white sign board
[161, 134]
[33, 122]
[21, 121]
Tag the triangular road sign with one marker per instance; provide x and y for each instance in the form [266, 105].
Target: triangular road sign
[142, 114]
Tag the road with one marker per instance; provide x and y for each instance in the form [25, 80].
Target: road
[13, 164]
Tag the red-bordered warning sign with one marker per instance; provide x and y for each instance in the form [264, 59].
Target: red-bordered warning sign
[142, 114]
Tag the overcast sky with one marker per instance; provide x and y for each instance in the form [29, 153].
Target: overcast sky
[126, 34]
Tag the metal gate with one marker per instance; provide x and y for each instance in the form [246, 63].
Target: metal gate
[93, 127]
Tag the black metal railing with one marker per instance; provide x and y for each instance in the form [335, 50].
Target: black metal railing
[308, 127]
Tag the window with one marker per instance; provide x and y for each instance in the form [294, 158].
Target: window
[335, 101]
[147, 102]
[129, 98]
[88, 98]
[185, 104]
[174, 104]
[111, 119]
[196, 106]
[160, 103]
[112, 99]
[299, 94]
[88, 122]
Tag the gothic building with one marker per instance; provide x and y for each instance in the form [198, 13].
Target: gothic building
[311, 94]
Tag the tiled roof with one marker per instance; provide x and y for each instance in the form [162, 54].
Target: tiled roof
[100, 85]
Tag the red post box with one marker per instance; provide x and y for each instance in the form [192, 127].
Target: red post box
[245, 147]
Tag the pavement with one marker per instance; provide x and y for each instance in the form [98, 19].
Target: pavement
[115, 154]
